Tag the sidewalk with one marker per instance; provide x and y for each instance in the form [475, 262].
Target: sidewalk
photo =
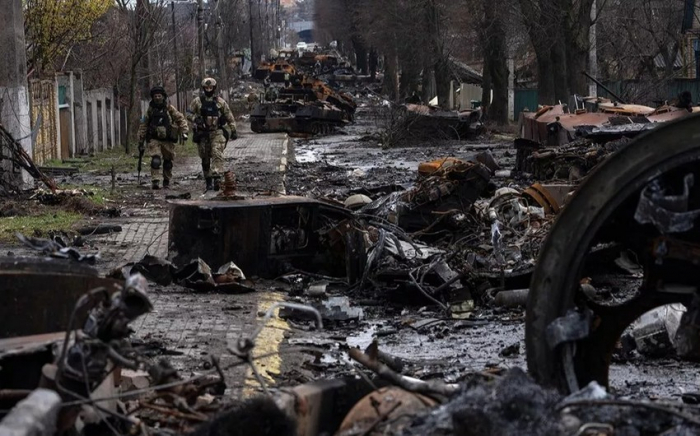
[193, 326]
[257, 160]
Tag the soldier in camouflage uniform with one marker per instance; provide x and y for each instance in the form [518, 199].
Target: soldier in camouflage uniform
[161, 127]
[213, 127]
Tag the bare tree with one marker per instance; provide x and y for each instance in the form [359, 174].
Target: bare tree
[495, 53]
[641, 38]
[143, 24]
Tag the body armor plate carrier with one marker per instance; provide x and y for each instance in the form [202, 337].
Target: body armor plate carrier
[160, 126]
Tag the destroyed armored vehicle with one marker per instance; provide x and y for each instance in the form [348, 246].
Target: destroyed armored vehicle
[626, 243]
[275, 71]
[556, 125]
[296, 116]
[308, 107]
[443, 123]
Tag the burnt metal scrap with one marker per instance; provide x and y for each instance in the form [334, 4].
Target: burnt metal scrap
[196, 275]
[432, 121]
[57, 247]
[668, 213]
[85, 363]
[265, 237]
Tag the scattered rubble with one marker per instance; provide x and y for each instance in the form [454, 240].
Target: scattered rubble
[440, 251]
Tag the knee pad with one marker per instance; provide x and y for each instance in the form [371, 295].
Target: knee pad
[167, 164]
[155, 162]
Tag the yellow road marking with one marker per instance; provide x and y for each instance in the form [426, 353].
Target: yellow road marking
[268, 341]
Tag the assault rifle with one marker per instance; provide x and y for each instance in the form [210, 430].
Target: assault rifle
[142, 150]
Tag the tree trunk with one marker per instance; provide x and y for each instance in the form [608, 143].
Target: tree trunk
[559, 68]
[391, 76]
[486, 86]
[410, 77]
[495, 60]
[545, 77]
[131, 115]
[373, 62]
[360, 54]
[576, 35]
[429, 86]
[545, 31]
[442, 82]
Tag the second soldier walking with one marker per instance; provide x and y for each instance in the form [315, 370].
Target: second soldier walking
[214, 125]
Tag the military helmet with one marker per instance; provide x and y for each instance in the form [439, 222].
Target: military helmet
[209, 82]
[158, 90]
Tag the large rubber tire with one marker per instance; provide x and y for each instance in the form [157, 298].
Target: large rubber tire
[555, 279]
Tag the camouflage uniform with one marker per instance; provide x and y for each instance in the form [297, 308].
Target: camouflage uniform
[210, 124]
[161, 140]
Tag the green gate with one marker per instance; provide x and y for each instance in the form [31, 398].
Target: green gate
[524, 99]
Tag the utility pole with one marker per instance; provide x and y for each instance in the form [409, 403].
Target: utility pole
[253, 61]
[14, 96]
[221, 57]
[278, 28]
[200, 39]
[177, 63]
[593, 51]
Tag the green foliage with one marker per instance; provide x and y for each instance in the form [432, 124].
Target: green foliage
[52, 27]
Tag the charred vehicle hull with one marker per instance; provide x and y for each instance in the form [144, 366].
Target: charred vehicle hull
[307, 118]
[449, 124]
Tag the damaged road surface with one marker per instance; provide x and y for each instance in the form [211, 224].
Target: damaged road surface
[385, 294]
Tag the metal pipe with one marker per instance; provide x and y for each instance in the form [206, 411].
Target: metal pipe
[604, 87]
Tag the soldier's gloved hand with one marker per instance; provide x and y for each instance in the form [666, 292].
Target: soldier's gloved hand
[142, 146]
[184, 136]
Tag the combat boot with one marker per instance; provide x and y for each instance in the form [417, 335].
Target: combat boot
[166, 183]
[217, 185]
[210, 186]
[154, 185]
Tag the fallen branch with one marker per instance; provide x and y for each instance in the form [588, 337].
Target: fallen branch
[20, 157]
[433, 387]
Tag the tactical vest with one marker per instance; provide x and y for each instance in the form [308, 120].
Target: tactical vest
[211, 115]
[160, 125]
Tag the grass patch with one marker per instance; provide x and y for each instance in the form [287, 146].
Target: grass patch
[37, 225]
[102, 162]
[58, 163]
[96, 195]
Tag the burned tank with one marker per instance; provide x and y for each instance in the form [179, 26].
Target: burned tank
[297, 116]
[277, 71]
[309, 106]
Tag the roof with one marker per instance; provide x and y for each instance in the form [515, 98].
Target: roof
[464, 73]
